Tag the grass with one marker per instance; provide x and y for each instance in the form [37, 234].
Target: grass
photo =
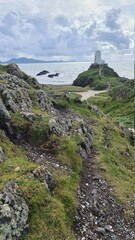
[3, 69]
[116, 163]
[120, 110]
[92, 78]
[60, 89]
[50, 215]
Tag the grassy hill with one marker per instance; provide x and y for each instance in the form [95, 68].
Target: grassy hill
[97, 77]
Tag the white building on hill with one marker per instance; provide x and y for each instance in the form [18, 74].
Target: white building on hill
[98, 59]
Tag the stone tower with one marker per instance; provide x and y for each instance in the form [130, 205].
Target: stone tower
[98, 59]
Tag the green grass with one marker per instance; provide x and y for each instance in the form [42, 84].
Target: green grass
[120, 110]
[114, 163]
[3, 69]
[60, 89]
[92, 78]
[50, 216]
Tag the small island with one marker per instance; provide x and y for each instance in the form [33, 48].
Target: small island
[98, 76]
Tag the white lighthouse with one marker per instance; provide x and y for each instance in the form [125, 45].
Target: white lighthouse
[98, 59]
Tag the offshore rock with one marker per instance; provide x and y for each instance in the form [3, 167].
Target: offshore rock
[13, 213]
[42, 72]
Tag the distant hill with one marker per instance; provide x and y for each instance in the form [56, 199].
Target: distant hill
[24, 60]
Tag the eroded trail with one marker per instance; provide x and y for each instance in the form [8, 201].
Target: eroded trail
[98, 216]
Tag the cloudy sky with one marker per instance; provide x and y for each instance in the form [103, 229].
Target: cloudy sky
[67, 29]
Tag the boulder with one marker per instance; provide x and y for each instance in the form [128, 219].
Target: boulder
[13, 213]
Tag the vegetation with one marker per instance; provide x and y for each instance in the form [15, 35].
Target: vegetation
[118, 104]
[115, 163]
[95, 79]
[3, 68]
[61, 89]
[51, 215]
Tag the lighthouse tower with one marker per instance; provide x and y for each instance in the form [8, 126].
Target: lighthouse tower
[98, 59]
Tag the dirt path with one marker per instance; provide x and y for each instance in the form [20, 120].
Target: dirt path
[99, 216]
[89, 93]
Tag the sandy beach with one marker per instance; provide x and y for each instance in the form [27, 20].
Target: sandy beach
[89, 93]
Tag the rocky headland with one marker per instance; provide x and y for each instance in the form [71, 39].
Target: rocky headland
[67, 170]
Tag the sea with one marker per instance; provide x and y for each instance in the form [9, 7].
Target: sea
[68, 71]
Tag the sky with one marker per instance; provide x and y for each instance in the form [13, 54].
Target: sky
[67, 29]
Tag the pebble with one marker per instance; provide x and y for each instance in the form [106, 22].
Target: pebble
[17, 169]
[108, 228]
[100, 230]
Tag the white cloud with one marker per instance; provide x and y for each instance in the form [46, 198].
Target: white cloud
[72, 29]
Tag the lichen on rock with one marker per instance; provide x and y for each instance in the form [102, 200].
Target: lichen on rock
[13, 213]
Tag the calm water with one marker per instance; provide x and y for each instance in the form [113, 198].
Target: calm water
[69, 71]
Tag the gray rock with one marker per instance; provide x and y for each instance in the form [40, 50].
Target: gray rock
[2, 155]
[17, 100]
[100, 230]
[109, 228]
[4, 114]
[42, 100]
[45, 177]
[14, 70]
[95, 109]
[60, 126]
[29, 116]
[13, 81]
[13, 213]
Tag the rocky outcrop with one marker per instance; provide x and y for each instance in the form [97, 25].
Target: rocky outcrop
[4, 114]
[13, 213]
[14, 70]
[17, 100]
[60, 125]
[13, 81]
[42, 100]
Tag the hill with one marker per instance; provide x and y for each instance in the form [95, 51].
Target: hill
[66, 168]
[98, 77]
[24, 60]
